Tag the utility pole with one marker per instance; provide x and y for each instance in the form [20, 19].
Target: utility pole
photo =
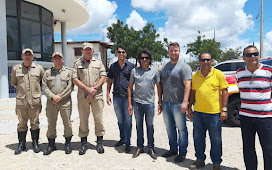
[261, 31]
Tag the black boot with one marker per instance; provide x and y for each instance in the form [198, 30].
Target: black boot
[35, 140]
[83, 148]
[51, 146]
[68, 148]
[22, 140]
[99, 146]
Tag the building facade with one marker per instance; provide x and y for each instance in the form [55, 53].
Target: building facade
[31, 24]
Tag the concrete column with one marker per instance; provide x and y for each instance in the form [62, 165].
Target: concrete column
[4, 88]
[64, 43]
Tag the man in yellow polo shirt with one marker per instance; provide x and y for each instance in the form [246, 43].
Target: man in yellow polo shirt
[209, 110]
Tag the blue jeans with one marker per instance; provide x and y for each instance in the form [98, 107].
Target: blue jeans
[147, 110]
[173, 120]
[124, 118]
[263, 127]
[203, 122]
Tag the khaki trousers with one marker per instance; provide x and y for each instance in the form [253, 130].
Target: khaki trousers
[25, 112]
[52, 111]
[84, 112]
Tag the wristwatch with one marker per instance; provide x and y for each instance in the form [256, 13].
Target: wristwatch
[224, 109]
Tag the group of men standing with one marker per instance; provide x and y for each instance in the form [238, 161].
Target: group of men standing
[57, 84]
[133, 88]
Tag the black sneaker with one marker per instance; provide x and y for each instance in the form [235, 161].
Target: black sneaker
[179, 158]
[127, 148]
[119, 143]
[169, 153]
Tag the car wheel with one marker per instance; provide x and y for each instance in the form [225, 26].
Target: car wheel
[233, 112]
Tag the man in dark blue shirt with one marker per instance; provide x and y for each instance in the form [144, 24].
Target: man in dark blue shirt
[119, 73]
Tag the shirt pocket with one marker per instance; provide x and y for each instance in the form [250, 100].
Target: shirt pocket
[20, 89]
[51, 82]
[96, 69]
[65, 82]
[35, 84]
[81, 72]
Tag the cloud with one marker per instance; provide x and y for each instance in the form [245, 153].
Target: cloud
[101, 15]
[224, 19]
[136, 21]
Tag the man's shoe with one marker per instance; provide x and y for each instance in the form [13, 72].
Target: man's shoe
[216, 167]
[119, 143]
[83, 148]
[68, 148]
[35, 140]
[169, 153]
[197, 164]
[179, 158]
[22, 140]
[51, 146]
[99, 146]
[137, 152]
[127, 148]
[152, 154]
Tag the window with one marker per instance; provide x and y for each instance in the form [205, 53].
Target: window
[47, 17]
[12, 33]
[224, 67]
[12, 56]
[11, 7]
[30, 11]
[239, 65]
[47, 38]
[29, 26]
[78, 51]
[30, 35]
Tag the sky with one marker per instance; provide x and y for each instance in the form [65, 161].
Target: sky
[233, 23]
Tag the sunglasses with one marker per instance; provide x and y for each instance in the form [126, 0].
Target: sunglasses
[206, 59]
[250, 54]
[121, 52]
[147, 58]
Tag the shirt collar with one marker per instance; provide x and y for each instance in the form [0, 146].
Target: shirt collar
[83, 59]
[148, 68]
[124, 64]
[32, 65]
[210, 74]
[63, 68]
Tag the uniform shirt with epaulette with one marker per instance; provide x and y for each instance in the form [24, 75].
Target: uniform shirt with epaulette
[58, 82]
[28, 83]
[89, 74]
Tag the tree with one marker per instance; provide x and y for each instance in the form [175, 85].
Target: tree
[194, 65]
[231, 53]
[202, 45]
[135, 41]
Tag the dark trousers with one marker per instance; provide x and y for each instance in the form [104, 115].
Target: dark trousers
[263, 127]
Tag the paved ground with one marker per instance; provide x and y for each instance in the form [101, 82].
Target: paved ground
[113, 158]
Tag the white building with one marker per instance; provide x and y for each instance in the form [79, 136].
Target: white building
[31, 24]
